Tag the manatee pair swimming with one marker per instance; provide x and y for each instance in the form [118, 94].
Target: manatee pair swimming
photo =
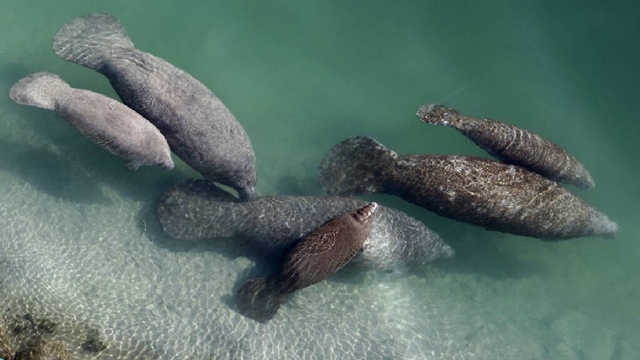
[513, 145]
[197, 125]
[108, 123]
[197, 210]
[487, 193]
[316, 256]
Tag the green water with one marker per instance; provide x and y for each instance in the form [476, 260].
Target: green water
[79, 241]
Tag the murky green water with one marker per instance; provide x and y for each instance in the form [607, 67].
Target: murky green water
[79, 241]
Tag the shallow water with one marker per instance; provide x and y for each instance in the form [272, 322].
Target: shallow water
[79, 242]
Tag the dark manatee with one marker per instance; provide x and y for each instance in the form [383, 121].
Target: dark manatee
[196, 210]
[108, 123]
[198, 126]
[513, 145]
[316, 256]
[487, 193]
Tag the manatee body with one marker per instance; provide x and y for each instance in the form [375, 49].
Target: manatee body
[198, 126]
[108, 123]
[316, 256]
[513, 145]
[487, 193]
[197, 210]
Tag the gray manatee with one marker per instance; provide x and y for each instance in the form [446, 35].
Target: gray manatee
[197, 210]
[198, 126]
[513, 145]
[482, 192]
[105, 121]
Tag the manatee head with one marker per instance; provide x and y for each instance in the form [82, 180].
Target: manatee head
[163, 159]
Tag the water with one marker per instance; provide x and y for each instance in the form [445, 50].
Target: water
[79, 242]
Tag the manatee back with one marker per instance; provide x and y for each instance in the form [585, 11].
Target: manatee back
[497, 196]
[326, 249]
[197, 210]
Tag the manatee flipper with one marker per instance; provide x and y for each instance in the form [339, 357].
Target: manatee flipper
[86, 39]
[39, 90]
[358, 158]
[259, 299]
[133, 165]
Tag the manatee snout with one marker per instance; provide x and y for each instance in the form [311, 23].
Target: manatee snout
[247, 192]
[167, 165]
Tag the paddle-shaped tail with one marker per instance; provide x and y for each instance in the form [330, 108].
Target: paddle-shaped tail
[259, 298]
[87, 40]
[353, 167]
[39, 90]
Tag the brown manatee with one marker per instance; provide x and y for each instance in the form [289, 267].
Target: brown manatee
[482, 192]
[198, 126]
[513, 145]
[108, 123]
[198, 210]
[316, 256]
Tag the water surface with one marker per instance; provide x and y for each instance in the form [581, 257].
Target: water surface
[79, 241]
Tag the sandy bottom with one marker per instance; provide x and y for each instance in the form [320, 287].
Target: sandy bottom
[81, 247]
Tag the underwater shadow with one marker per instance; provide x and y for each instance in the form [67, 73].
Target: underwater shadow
[262, 267]
[299, 185]
[479, 251]
[50, 172]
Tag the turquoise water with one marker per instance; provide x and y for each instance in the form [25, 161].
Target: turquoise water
[79, 242]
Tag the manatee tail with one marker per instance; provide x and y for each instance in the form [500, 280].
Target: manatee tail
[39, 90]
[602, 226]
[438, 115]
[355, 166]
[86, 40]
[198, 209]
[259, 299]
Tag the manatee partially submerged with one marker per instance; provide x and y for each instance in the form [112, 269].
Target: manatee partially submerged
[482, 192]
[198, 126]
[108, 123]
[513, 145]
[316, 256]
[197, 210]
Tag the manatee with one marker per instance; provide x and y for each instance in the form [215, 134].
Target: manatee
[196, 210]
[482, 192]
[513, 145]
[108, 123]
[198, 126]
[316, 256]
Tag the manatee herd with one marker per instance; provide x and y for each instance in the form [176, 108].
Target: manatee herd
[164, 110]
